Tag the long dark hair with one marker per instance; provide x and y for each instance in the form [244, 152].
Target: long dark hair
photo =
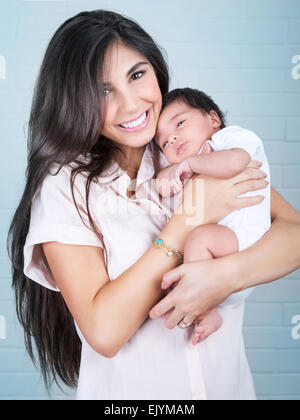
[65, 124]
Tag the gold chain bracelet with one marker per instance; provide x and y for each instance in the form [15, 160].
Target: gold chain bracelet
[159, 243]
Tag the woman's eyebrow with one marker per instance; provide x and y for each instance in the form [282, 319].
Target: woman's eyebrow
[107, 84]
[135, 67]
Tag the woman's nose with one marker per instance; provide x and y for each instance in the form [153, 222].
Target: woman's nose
[129, 103]
[173, 139]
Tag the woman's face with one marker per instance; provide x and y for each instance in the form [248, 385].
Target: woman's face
[133, 97]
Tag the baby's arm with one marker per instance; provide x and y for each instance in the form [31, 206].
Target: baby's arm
[220, 164]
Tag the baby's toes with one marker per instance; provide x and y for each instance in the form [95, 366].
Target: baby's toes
[198, 335]
[195, 339]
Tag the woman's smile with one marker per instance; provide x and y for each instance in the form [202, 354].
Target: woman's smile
[137, 124]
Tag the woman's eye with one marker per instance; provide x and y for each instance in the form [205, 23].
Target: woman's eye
[137, 75]
[180, 123]
[164, 144]
[106, 91]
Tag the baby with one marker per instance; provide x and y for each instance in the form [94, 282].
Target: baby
[192, 135]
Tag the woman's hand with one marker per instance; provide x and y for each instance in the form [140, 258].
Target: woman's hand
[201, 286]
[209, 200]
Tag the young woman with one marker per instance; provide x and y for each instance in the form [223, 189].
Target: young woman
[86, 240]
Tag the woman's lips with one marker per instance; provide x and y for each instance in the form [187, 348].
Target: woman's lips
[139, 127]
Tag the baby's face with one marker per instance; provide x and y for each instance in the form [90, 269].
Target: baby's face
[182, 130]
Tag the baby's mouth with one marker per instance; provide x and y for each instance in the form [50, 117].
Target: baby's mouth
[181, 147]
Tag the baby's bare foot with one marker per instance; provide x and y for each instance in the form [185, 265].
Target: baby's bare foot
[207, 325]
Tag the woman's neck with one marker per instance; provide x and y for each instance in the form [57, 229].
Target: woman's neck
[134, 156]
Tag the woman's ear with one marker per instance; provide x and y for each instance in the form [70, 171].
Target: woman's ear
[215, 119]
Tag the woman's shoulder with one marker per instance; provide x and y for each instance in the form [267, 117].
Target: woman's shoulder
[65, 185]
[58, 179]
[65, 176]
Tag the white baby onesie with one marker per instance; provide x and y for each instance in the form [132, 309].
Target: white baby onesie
[250, 223]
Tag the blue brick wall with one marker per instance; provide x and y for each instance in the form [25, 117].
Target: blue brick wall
[244, 54]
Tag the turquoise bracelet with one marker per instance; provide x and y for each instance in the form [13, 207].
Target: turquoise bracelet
[159, 243]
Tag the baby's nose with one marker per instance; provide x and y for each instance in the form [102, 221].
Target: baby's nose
[173, 139]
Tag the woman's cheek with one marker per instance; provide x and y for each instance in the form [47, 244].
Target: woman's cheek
[152, 93]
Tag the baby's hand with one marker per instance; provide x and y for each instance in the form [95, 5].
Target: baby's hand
[182, 171]
[168, 186]
[171, 181]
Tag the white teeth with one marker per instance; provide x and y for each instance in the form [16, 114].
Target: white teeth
[135, 123]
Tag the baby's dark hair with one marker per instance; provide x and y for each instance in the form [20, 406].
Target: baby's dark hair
[195, 99]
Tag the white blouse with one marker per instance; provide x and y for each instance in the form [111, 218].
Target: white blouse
[156, 363]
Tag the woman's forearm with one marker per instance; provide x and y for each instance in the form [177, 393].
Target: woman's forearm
[134, 293]
[273, 256]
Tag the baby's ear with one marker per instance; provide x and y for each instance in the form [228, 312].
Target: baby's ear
[216, 121]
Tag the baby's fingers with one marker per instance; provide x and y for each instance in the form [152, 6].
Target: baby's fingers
[176, 185]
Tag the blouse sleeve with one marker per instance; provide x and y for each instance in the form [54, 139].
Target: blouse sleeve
[54, 217]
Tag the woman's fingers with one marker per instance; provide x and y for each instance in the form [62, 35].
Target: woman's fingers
[254, 164]
[174, 319]
[163, 306]
[172, 276]
[243, 202]
[167, 314]
[251, 185]
[246, 186]
[248, 174]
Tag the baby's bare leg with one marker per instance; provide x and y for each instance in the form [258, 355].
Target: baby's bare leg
[207, 242]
